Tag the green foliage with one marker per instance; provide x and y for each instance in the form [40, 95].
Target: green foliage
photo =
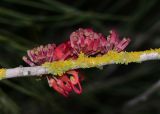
[29, 23]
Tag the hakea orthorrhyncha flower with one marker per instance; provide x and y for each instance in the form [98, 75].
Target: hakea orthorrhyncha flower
[92, 43]
[83, 40]
[62, 84]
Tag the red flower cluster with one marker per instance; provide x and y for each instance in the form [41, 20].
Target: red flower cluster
[83, 40]
[92, 43]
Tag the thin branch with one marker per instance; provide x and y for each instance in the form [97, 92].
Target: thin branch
[23, 72]
[60, 67]
[144, 96]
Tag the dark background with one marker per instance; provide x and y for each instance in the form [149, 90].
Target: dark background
[25, 24]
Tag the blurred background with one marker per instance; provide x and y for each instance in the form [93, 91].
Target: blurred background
[25, 24]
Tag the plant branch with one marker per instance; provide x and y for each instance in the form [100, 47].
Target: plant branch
[144, 96]
[59, 67]
[22, 72]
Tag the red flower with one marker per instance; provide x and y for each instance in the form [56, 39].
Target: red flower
[83, 40]
[88, 42]
[40, 55]
[93, 43]
[63, 84]
[114, 43]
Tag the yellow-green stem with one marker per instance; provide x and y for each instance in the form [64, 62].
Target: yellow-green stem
[60, 67]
